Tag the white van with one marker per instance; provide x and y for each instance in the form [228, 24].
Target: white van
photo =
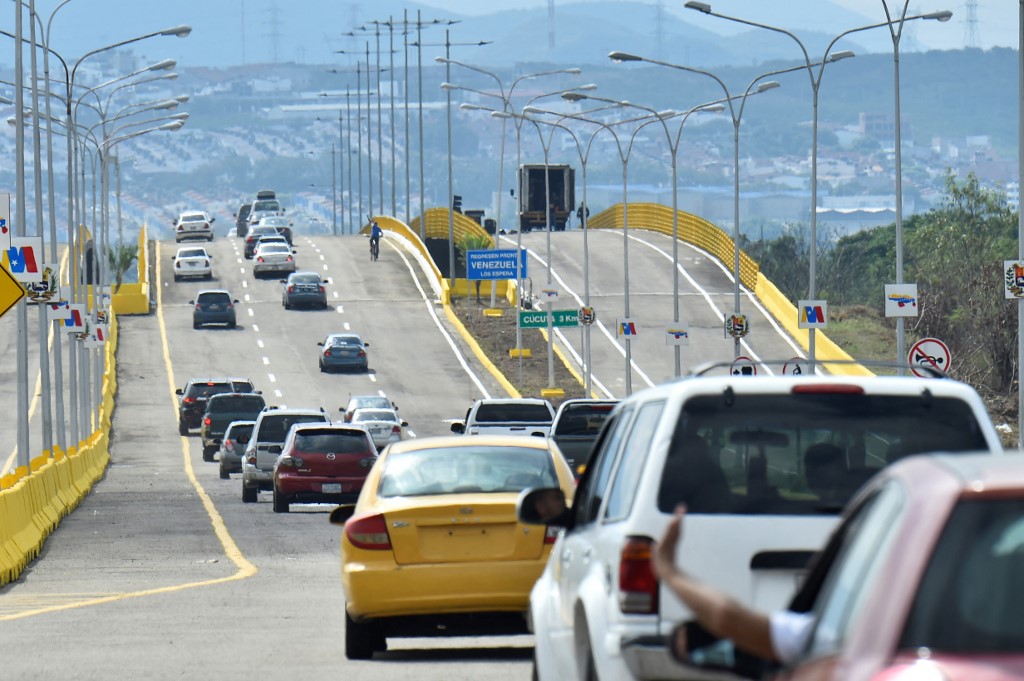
[764, 464]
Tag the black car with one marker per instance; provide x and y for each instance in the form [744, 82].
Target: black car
[213, 306]
[252, 238]
[220, 411]
[242, 219]
[303, 288]
[193, 397]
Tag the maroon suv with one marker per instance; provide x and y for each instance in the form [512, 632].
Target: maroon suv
[322, 463]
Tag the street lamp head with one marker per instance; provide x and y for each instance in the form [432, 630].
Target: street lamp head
[533, 110]
[494, 114]
[944, 15]
[845, 54]
[441, 60]
[173, 125]
[575, 70]
[179, 31]
[165, 65]
[181, 99]
[667, 113]
[713, 108]
[770, 85]
[699, 6]
[167, 104]
[588, 87]
[624, 56]
[574, 96]
[181, 116]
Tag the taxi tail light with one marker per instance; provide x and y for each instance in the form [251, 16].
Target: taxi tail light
[638, 587]
[368, 532]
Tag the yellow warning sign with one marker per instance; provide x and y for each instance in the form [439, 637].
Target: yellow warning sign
[11, 291]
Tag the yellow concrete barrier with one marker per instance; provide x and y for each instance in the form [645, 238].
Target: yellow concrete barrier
[27, 536]
[11, 557]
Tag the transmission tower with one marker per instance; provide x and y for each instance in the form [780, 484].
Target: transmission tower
[659, 29]
[971, 24]
[275, 29]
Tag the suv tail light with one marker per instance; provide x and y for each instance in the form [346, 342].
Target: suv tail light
[229, 445]
[368, 532]
[207, 421]
[638, 587]
[189, 400]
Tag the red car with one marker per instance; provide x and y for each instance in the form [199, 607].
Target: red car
[921, 581]
[321, 463]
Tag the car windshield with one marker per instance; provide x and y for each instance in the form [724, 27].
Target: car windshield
[801, 453]
[466, 469]
[374, 415]
[337, 442]
[970, 599]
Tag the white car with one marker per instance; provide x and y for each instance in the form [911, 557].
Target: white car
[273, 258]
[192, 262]
[764, 465]
[193, 224]
[384, 425]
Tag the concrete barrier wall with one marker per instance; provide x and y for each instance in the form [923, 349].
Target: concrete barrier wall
[33, 501]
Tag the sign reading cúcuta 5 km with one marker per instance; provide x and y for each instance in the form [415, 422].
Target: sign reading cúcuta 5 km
[498, 263]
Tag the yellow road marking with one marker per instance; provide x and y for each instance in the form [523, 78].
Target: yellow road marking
[231, 550]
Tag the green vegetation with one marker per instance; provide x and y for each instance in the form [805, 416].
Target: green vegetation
[953, 253]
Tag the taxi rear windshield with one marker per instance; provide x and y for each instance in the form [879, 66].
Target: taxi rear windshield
[801, 453]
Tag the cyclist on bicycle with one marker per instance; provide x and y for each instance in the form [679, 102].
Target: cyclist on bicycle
[375, 234]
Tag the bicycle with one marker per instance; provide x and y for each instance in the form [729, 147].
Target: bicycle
[374, 249]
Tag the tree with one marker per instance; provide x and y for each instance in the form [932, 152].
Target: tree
[121, 258]
[472, 242]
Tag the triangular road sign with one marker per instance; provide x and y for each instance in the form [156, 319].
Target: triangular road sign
[11, 291]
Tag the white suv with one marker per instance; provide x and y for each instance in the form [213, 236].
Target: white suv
[764, 465]
[271, 428]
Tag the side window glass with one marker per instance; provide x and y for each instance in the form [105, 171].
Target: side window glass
[865, 536]
[588, 504]
[634, 455]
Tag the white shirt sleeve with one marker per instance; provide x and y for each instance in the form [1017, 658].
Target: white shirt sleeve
[789, 632]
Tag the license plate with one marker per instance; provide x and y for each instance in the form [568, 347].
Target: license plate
[331, 488]
[214, 307]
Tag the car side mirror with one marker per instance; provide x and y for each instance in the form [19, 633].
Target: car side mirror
[284, 281]
[179, 391]
[173, 257]
[341, 514]
[213, 219]
[405, 424]
[459, 427]
[191, 302]
[235, 301]
[320, 344]
[366, 344]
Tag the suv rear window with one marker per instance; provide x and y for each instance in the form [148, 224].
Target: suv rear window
[325, 442]
[801, 453]
[275, 427]
[499, 413]
[239, 403]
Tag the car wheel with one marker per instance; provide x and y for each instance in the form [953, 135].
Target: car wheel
[280, 503]
[287, 305]
[196, 325]
[323, 369]
[325, 305]
[208, 453]
[209, 276]
[182, 428]
[363, 639]
[249, 494]
[224, 475]
[584, 653]
[232, 325]
[177, 278]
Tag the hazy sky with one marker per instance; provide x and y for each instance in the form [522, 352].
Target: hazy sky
[996, 21]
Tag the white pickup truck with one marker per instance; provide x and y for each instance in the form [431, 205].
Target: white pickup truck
[507, 416]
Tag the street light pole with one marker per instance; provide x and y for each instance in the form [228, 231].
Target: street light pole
[334, 194]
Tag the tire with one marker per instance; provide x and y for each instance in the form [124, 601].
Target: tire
[232, 325]
[325, 305]
[362, 639]
[323, 369]
[208, 453]
[224, 475]
[280, 503]
[249, 494]
[585, 653]
[177, 278]
[196, 325]
[182, 428]
[287, 305]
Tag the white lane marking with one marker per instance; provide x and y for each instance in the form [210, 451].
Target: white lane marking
[255, 328]
[249, 310]
[246, 298]
[437, 322]
[373, 378]
[325, 268]
[273, 379]
[348, 327]
[277, 393]
[266, 361]
[322, 257]
[259, 343]
[245, 284]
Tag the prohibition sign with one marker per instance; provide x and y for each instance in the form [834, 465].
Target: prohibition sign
[931, 353]
[743, 366]
[794, 367]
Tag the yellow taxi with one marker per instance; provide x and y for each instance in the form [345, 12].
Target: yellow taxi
[433, 546]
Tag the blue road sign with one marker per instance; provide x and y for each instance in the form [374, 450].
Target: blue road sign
[498, 263]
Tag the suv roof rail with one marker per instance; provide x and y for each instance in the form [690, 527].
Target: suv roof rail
[708, 367]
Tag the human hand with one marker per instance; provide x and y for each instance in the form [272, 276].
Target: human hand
[663, 555]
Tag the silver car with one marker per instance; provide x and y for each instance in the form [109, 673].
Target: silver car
[272, 259]
[232, 447]
[384, 425]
